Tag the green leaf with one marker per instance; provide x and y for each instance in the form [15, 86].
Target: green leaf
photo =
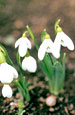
[9, 60]
[57, 78]
[64, 60]
[19, 65]
[43, 67]
[48, 64]
[32, 36]
[3, 50]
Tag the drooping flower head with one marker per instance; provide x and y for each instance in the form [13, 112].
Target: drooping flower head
[23, 44]
[47, 46]
[7, 75]
[62, 38]
[29, 64]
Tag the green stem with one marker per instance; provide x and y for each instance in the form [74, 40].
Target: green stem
[19, 65]
[21, 84]
[32, 36]
[24, 92]
[9, 60]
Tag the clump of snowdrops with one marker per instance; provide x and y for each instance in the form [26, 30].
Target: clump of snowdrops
[50, 59]
[8, 73]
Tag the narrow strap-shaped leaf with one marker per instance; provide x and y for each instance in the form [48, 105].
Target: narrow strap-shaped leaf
[58, 77]
[32, 36]
[19, 64]
[48, 64]
[43, 67]
[64, 60]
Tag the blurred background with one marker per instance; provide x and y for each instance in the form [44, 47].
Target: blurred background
[38, 14]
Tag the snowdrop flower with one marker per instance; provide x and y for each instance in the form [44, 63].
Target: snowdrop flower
[7, 73]
[23, 44]
[29, 64]
[46, 46]
[6, 91]
[64, 40]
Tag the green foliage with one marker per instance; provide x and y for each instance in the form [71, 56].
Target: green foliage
[53, 69]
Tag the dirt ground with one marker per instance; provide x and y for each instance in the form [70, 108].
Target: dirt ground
[39, 14]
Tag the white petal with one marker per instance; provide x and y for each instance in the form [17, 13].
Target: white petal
[46, 46]
[41, 52]
[56, 54]
[15, 73]
[49, 45]
[23, 44]
[29, 64]
[67, 41]
[7, 73]
[22, 49]
[56, 49]
[6, 91]
[28, 43]
[64, 40]
[17, 43]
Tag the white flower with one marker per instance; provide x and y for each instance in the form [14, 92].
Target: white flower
[7, 73]
[64, 40]
[46, 46]
[56, 50]
[23, 43]
[29, 64]
[6, 91]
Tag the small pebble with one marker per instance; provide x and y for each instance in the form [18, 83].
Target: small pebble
[10, 111]
[18, 95]
[70, 107]
[51, 100]
[66, 100]
[41, 106]
[57, 108]
[41, 99]
[33, 109]
[12, 103]
[61, 99]
[51, 109]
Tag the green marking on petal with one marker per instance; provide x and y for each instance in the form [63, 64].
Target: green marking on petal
[48, 47]
[62, 41]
